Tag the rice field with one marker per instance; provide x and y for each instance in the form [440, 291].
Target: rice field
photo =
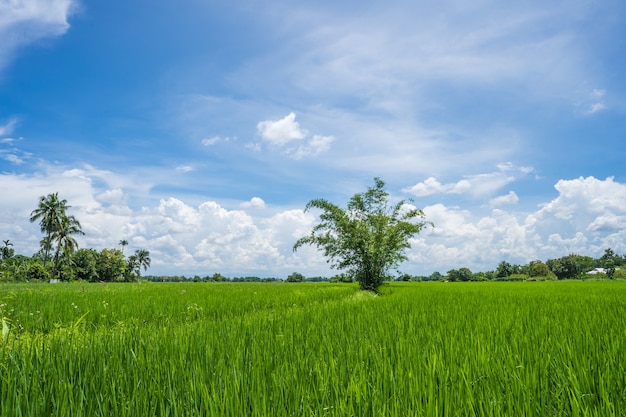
[278, 349]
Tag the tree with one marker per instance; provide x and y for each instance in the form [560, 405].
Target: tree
[368, 238]
[85, 264]
[295, 277]
[66, 243]
[123, 243]
[57, 226]
[6, 251]
[111, 265]
[538, 269]
[49, 212]
[570, 266]
[504, 270]
[463, 274]
[140, 259]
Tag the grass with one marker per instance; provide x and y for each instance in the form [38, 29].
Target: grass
[444, 349]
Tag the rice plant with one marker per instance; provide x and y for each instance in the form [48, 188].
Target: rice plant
[423, 349]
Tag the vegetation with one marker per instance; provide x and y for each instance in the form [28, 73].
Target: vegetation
[60, 258]
[138, 349]
[368, 238]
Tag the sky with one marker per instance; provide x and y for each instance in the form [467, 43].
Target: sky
[199, 130]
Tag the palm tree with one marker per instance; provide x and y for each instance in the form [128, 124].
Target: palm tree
[50, 213]
[142, 258]
[68, 226]
[123, 243]
[6, 251]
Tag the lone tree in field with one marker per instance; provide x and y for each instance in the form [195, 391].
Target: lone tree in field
[368, 238]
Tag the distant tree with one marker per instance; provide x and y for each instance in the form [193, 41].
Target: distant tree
[123, 243]
[6, 251]
[50, 213]
[37, 272]
[85, 263]
[570, 266]
[463, 274]
[538, 269]
[111, 265]
[57, 226]
[436, 276]
[479, 276]
[368, 238]
[504, 269]
[143, 258]
[66, 244]
[405, 277]
[295, 277]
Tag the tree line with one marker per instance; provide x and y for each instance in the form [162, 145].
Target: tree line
[608, 266]
[59, 257]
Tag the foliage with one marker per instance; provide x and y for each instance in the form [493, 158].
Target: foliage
[111, 265]
[538, 269]
[37, 272]
[58, 227]
[86, 264]
[463, 274]
[368, 238]
[295, 277]
[6, 251]
[570, 266]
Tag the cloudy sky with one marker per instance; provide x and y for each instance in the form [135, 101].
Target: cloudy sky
[200, 129]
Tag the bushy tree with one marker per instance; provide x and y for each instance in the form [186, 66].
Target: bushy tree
[295, 277]
[570, 266]
[111, 265]
[366, 239]
[85, 263]
[538, 269]
[463, 274]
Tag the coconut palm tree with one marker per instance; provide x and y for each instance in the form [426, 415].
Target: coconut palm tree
[123, 243]
[142, 259]
[50, 213]
[66, 243]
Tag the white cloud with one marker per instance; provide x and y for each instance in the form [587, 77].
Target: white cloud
[214, 140]
[255, 202]
[286, 130]
[595, 102]
[476, 185]
[432, 186]
[7, 128]
[184, 168]
[315, 146]
[586, 216]
[510, 198]
[280, 132]
[25, 21]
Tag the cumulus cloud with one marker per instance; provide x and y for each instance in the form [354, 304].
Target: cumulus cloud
[586, 216]
[510, 198]
[477, 185]
[432, 186]
[25, 21]
[280, 132]
[255, 202]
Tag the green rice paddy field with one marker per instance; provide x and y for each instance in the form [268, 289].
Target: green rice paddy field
[278, 349]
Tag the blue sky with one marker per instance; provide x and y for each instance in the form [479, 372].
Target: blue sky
[200, 131]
